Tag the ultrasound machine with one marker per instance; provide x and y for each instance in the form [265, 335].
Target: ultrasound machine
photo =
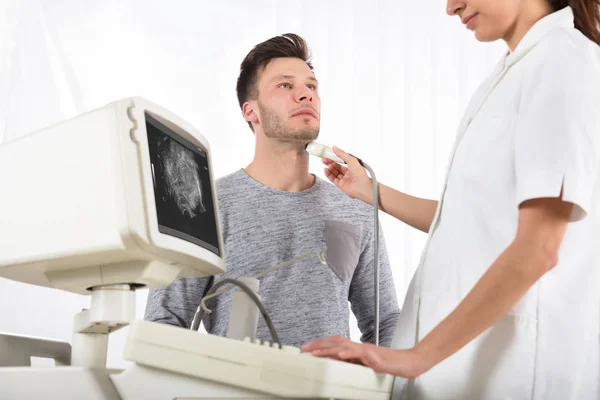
[123, 198]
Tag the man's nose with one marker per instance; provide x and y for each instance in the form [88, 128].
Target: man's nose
[305, 95]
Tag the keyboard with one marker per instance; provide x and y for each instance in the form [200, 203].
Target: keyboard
[252, 365]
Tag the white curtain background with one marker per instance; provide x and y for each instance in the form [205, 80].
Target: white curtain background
[395, 78]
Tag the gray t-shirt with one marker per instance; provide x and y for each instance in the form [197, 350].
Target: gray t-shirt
[263, 227]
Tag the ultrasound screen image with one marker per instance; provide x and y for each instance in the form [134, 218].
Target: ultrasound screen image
[182, 188]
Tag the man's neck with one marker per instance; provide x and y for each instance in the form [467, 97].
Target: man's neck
[281, 166]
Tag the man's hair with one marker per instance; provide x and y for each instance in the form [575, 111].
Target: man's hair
[288, 45]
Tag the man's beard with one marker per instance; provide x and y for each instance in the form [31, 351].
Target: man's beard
[274, 127]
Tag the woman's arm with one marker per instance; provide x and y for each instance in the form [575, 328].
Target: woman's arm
[414, 211]
[534, 251]
[353, 181]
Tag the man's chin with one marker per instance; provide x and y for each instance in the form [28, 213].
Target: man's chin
[306, 134]
[303, 135]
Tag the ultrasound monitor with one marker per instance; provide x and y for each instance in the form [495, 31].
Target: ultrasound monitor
[123, 194]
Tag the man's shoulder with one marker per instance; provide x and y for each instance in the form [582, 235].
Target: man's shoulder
[229, 179]
[230, 184]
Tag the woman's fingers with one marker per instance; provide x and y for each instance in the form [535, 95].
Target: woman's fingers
[350, 160]
[342, 154]
[337, 169]
[334, 174]
[324, 343]
[330, 352]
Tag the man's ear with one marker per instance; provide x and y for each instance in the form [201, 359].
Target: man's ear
[249, 112]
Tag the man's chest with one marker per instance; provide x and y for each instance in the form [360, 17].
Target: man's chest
[311, 240]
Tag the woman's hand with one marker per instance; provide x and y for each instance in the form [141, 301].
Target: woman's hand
[352, 180]
[404, 363]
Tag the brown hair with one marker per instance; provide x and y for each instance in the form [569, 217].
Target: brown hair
[587, 16]
[287, 45]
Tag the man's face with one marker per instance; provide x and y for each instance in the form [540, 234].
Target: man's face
[288, 105]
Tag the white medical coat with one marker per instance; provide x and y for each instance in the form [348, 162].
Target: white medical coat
[532, 129]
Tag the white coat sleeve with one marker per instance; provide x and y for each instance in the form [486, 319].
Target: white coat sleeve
[557, 132]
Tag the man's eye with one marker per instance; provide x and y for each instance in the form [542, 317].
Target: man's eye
[285, 85]
[312, 87]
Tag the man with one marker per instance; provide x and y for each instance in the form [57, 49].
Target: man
[275, 210]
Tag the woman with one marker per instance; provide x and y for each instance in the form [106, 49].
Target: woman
[506, 300]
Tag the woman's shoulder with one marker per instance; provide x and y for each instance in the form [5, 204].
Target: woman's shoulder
[564, 58]
[569, 49]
